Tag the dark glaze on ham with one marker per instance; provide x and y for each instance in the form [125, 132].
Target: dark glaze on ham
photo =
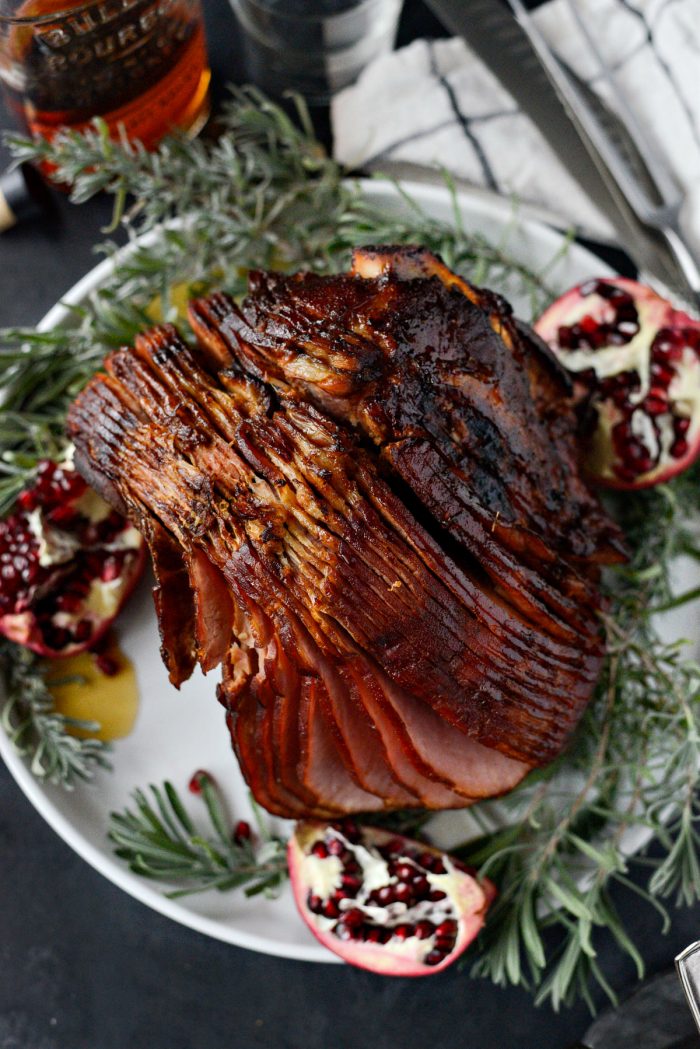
[362, 499]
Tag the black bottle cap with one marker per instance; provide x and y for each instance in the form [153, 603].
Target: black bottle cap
[23, 196]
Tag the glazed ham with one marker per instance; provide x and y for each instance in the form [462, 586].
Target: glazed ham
[362, 499]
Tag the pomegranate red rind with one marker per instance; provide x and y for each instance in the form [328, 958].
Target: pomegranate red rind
[384, 902]
[635, 360]
[68, 564]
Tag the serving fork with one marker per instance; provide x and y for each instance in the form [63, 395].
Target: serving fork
[621, 150]
[606, 151]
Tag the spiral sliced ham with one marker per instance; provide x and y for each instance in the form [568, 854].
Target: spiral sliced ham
[362, 500]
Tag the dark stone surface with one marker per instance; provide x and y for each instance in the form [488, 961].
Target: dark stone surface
[83, 966]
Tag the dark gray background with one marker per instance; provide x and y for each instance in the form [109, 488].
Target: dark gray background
[83, 966]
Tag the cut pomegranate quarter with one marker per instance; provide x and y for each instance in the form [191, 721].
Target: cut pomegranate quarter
[635, 360]
[383, 902]
[68, 562]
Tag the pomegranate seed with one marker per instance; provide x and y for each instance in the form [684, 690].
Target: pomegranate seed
[434, 957]
[589, 324]
[27, 500]
[564, 338]
[679, 448]
[351, 831]
[62, 515]
[385, 894]
[444, 946]
[636, 452]
[402, 932]
[241, 832]
[343, 932]
[319, 850]
[404, 871]
[83, 630]
[681, 425]
[199, 777]
[436, 895]
[624, 472]
[663, 374]
[375, 935]
[403, 893]
[645, 465]
[609, 291]
[106, 665]
[57, 639]
[314, 903]
[421, 886]
[424, 929]
[447, 928]
[330, 909]
[354, 917]
[68, 602]
[351, 884]
[336, 847]
[655, 405]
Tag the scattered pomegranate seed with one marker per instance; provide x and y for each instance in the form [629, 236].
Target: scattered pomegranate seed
[107, 665]
[198, 778]
[242, 832]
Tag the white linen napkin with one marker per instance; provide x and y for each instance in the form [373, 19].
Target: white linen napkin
[435, 104]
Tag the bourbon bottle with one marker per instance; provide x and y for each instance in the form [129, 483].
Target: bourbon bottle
[139, 64]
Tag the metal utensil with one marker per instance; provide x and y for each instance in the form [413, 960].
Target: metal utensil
[688, 969]
[519, 56]
[622, 154]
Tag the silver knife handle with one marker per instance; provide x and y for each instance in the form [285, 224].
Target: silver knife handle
[686, 263]
[688, 968]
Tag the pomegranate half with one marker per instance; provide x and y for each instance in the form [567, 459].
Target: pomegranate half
[68, 563]
[383, 902]
[635, 361]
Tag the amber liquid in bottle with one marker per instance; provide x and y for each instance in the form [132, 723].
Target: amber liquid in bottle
[139, 64]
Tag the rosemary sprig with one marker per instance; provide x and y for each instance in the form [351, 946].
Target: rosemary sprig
[38, 732]
[159, 840]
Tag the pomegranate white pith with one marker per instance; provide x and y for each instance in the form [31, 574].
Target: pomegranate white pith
[383, 902]
[635, 361]
[68, 563]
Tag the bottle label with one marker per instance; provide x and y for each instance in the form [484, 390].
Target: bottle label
[178, 100]
[101, 57]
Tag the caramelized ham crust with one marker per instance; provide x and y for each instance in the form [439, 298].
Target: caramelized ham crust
[388, 548]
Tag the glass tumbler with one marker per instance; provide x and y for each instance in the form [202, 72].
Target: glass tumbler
[139, 64]
[314, 47]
